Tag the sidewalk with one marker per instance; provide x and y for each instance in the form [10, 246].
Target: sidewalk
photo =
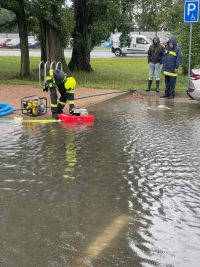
[12, 94]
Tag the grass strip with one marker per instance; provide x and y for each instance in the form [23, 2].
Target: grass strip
[109, 73]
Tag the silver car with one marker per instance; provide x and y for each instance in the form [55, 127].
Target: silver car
[194, 85]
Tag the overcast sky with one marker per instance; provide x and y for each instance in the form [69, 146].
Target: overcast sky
[68, 2]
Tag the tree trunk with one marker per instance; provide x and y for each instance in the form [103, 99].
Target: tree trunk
[52, 49]
[80, 59]
[81, 38]
[43, 40]
[55, 47]
[23, 34]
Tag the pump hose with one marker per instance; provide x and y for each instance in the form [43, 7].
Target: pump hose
[116, 92]
[83, 97]
[5, 109]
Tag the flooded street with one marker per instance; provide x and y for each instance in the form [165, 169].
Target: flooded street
[122, 192]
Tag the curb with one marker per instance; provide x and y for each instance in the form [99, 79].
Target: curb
[118, 96]
[153, 93]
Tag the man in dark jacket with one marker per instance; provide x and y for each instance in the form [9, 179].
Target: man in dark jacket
[155, 55]
[171, 62]
[65, 84]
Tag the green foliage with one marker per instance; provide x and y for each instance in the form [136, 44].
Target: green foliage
[125, 23]
[184, 40]
[10, 5]
[56, 13]
[171, 15]
[125, 39]
[103, 16]
[150, 14]
[7, 21]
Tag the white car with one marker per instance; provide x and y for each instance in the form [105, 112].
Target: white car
[139, 45]
[194, 85]
[14, 43]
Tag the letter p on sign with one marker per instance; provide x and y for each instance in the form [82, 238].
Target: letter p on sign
[191, 11]
[191, 7]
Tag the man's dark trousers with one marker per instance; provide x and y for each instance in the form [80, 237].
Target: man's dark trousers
[170, 83]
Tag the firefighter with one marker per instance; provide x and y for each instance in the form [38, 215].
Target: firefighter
[171, 61]
[65, 84]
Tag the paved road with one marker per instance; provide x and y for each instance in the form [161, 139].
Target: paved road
[36, 53]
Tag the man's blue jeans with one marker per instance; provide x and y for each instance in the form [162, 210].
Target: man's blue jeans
[154, 68]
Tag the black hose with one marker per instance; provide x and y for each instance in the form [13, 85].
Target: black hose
[117, 92]
[95, 95]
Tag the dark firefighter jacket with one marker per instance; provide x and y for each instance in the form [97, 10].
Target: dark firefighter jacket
[172, 59]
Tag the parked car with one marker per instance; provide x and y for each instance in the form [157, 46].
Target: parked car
[4, 41]
[194, 85]
[14, 43]
[139, 45]
[34, 43]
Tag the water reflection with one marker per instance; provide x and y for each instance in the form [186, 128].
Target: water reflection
[122, 192]
[102, 242]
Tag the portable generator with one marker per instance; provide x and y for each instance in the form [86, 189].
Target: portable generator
[34, 105]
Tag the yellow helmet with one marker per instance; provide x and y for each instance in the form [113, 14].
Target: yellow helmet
[70, 83]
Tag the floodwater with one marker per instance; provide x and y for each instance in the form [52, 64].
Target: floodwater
[124, 192]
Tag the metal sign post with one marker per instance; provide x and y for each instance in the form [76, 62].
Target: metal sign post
[191, 15]
[190, 50]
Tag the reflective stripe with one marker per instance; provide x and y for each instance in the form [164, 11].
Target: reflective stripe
[51, 72]
[70, 92]
[169, 73]
[48, 78]
[54, 105]
[62, 103]
[71, 101]
[172, 53]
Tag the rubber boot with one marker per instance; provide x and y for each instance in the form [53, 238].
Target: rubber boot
[55, 115]
[60, 108]
[157, 86]
[149, 85]
[71, 109]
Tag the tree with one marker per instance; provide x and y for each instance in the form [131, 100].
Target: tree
[183, 39]
[170, 16]
[147, 14]
[126, 22]
[94, 21]
[18, 8]
[54, 28]
[7, 21]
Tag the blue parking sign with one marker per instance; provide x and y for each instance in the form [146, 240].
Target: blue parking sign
[191, 11]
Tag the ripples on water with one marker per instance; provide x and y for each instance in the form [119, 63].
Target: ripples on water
[164, 168]
[71, 184]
